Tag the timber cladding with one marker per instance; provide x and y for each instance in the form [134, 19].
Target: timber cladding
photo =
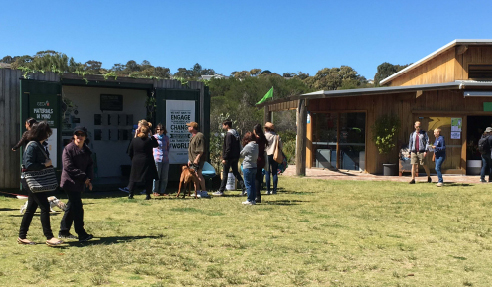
[407, 106]
[449, 66]
[9, 127]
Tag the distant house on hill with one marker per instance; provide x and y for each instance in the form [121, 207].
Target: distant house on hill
[450, 89]
[216, 76]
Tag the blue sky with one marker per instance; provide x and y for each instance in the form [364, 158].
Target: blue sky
[280, 36]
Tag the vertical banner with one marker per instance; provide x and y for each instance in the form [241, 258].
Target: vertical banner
[178, 113]
[53, 146]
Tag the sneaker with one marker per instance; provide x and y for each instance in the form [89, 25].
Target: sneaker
[124, 189]
[482, 180]
[268, 192]
[218, 193]
[429, 179]
[249, 202]
[439, 184]
[86, 238]
[67, 236]
[412, 182]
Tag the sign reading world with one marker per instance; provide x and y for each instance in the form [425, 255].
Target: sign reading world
[178, 113]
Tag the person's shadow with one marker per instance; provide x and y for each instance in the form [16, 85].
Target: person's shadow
[107, 240]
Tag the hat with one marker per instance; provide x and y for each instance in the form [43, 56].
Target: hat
[269, 125]
[193, 125]
[488, 130]
[80, 129]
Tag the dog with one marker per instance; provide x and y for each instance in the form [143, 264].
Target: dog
[188, 178]
[53, 202]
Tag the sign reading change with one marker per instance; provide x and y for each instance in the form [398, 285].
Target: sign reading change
[178, 113]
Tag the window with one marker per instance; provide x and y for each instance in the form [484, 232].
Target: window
[479, 71]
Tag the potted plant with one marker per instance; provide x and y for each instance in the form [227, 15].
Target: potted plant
[384, 133]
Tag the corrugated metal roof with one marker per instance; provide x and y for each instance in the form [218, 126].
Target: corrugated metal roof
[381, 90]
[435, 54]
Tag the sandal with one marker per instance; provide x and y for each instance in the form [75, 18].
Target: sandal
[55, 243]
[25, 241]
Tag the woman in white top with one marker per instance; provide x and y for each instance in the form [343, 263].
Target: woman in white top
[271, 166]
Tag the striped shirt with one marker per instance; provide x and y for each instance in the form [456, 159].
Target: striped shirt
[161, 153]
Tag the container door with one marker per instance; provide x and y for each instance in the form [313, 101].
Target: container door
[175, 108]
[41, 100]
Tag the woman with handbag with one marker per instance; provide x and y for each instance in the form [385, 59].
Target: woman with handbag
[274, 144]
[35, 160]
[439, 154]
[77, 173]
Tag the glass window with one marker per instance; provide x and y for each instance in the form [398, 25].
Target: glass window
[352, 141]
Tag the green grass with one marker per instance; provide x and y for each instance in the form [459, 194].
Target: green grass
[312, 233]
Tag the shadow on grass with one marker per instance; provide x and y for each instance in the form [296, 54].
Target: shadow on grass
[37, 214]
[108, 240]
[282, 202]
[9, 209]
[457, 184]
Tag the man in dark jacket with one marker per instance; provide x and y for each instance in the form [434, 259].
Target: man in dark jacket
[230, 157]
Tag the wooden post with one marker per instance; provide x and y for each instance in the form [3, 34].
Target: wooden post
[267, 115]
[301, 138]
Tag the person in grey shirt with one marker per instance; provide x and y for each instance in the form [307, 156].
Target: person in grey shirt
[250, 154]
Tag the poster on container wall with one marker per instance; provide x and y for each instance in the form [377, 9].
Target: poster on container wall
[178, 113]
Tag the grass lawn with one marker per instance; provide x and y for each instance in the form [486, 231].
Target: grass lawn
[312, 233]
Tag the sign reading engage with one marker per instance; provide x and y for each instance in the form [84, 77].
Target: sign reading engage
[178, 113]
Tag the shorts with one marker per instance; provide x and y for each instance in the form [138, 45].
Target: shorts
[417, 158]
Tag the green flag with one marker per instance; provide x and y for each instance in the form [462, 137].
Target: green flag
[268, 95]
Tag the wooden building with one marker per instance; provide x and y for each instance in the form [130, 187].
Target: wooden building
[450, 89]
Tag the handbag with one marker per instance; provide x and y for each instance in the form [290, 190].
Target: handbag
[277, 154]
[41, 180]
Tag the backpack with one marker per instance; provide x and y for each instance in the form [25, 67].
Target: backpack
[483, 145]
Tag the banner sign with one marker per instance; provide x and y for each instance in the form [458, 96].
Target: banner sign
[178, 113]
[44, 108]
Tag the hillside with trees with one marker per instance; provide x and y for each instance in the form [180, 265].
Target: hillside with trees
[231, 97]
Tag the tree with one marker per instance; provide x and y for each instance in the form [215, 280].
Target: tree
[385, 70]
[255, 72]
[7, 60]
[92, 66]
[132, 66]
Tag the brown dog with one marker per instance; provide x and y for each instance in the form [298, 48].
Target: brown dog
[188, 178]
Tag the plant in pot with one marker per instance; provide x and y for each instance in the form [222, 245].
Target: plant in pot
[384, 133]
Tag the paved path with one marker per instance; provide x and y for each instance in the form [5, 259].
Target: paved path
[355, 175]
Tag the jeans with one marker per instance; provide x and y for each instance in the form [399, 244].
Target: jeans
[249, 181]
[33, 201]
[272, 166]
[258, 183]
[225, 173]
[486, 166]
[439, 161]
[161, 184]
[73, 214]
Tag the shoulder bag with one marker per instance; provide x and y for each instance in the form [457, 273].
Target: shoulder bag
[41, 180]
[277, 154]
